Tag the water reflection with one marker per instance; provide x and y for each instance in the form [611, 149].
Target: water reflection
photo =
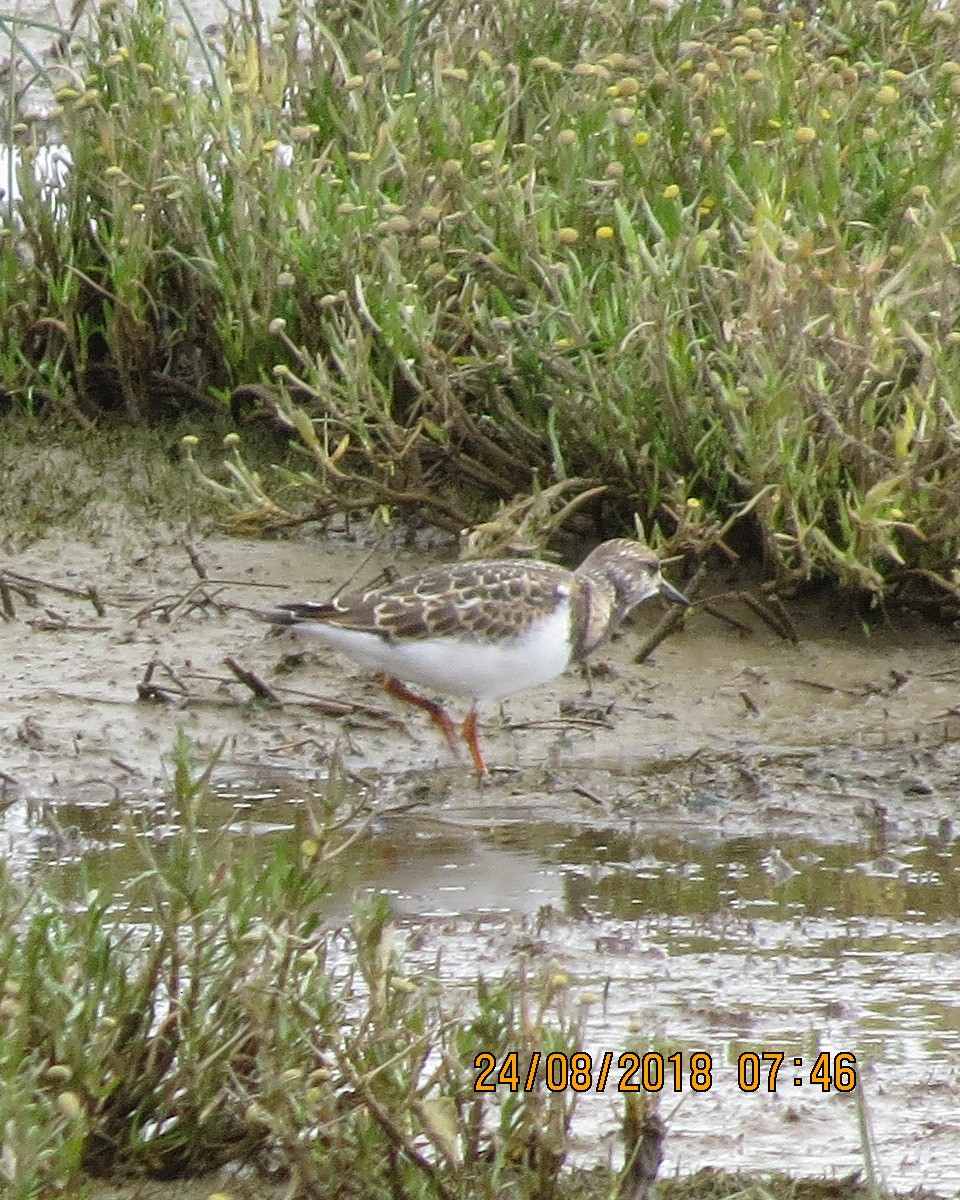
[685, 940]
[586, 873]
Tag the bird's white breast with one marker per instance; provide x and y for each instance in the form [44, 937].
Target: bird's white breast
[461, 666]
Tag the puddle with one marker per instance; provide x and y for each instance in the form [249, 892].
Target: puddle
[683, 942]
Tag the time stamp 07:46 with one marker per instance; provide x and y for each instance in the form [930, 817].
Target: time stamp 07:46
[757, 1071]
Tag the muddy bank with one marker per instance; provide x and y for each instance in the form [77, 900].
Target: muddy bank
[741, 731]
[739, 846]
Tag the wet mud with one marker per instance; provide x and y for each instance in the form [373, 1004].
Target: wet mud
[740, 847]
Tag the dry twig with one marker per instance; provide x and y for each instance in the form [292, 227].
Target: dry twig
[249, 679]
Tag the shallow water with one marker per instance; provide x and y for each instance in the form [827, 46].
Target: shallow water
[682, 940]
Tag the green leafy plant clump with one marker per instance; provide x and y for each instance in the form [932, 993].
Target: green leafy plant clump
[701, 256]
[207, 1018]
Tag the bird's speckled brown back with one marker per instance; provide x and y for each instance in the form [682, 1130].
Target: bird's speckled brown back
[492, 600]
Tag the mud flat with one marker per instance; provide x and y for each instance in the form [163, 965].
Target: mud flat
[741, 846]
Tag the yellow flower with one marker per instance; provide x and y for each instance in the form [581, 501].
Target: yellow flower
[604, 233]
[671, 191]
[70, 1105]
[591, 69]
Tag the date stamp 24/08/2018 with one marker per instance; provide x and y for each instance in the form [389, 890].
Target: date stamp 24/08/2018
[653, 1072]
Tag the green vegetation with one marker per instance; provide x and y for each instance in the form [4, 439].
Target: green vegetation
[207, 1017]
[505, 267]
[702, 257]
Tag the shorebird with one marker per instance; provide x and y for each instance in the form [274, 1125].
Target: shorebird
[483, 630]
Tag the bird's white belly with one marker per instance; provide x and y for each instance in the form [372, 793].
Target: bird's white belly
[460, 666]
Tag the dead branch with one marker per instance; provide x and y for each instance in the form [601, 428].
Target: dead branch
[670, 621]
[249, 679]
[28, 586]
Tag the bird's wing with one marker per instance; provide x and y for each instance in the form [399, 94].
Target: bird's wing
[483, 599]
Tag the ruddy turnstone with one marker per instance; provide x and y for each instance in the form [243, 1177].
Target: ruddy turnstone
[483, 629]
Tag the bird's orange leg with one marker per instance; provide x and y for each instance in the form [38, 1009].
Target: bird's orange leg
[440, 717]
[470, 737]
